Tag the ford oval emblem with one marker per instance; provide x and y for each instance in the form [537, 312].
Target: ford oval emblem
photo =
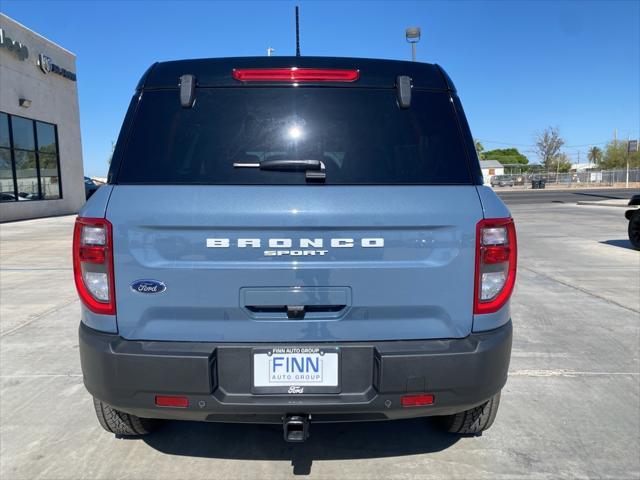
[148, 286]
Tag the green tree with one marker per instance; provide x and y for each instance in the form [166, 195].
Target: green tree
[479, 148]
[595, 155]
[615, 156]
[560, 163]
[506, 155]
[548, 144]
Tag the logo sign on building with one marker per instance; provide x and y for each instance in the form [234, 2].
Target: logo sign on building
[44, 63]
[47, 66]
[16, 48]
[21, 52]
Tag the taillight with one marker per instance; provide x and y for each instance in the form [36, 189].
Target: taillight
[295, 75]
[496, 258]
[93, 264]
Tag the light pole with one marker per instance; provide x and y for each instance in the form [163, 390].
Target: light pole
[632, 146]
[413, 36]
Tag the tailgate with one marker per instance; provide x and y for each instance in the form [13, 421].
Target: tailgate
[294, 263]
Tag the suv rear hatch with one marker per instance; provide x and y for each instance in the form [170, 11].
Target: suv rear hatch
[382, 249]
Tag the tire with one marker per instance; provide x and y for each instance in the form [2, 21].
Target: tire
[475, 420]
[634, 230]
[120, 423]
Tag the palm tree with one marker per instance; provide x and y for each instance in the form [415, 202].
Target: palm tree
[595, 155]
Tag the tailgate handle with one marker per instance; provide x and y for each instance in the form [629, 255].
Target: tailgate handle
[294, 312]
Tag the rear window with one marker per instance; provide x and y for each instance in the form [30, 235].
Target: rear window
[361, 136]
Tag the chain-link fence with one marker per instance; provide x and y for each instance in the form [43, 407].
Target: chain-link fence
[585, 179]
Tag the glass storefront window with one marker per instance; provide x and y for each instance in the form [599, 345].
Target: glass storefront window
[7, 189]
[28, 159]
[27, 175]
[49, 176]
[4, 131]
[46, 137]
[23, 133]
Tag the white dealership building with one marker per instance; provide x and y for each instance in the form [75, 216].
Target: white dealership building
[41, 170]
[489, 169]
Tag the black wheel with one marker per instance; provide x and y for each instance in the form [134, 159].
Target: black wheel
[475, 420]
[120, 423]
[634, 230]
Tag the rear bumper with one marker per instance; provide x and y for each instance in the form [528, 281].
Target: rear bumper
[461, 373]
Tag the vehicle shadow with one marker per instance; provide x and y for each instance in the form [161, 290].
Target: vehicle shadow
[624, 243]
[330, 441]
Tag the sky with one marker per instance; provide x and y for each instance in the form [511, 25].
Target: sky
[518, 66]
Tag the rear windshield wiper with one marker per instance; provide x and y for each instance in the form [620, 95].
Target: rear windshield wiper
[314, 169]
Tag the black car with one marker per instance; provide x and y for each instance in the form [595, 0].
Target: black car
[634, 222]
[7, 197]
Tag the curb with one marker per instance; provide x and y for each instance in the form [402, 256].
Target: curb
[606, 203]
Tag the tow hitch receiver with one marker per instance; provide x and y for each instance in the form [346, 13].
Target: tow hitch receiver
[296, 428]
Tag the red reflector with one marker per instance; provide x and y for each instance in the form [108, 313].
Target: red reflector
[495, 254]
[171, 401]
[295, 75]
[92, 254]
[418, 400]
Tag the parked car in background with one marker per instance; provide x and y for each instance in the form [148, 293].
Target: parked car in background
[7, 197]
[90, 187]
[634, 222]
[502, 181]
[28, 196]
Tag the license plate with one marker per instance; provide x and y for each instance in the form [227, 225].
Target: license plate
[296, 370]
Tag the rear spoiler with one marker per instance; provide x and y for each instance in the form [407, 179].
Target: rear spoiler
[232, 72]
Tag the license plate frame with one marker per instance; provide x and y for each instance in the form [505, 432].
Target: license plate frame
[284, 387]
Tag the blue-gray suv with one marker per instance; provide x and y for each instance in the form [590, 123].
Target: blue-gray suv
[294, 240]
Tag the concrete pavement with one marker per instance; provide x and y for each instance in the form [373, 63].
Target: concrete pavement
[569, 410]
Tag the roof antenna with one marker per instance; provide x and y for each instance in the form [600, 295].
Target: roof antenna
[297, 33]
